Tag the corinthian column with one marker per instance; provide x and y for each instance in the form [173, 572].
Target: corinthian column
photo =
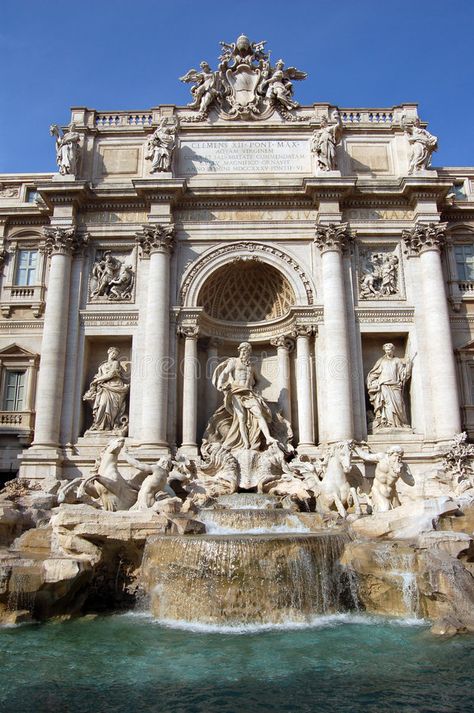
[303, 386]
[283, 345]
[332, 240]
[425, 241]
[59, 244]
[157, 242]
[190, 384]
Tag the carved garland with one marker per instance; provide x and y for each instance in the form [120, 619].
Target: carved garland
[251, 247]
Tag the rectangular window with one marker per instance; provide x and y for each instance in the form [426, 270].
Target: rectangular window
[14, 390]
[464, 262]
[32, 195]
[27, 261]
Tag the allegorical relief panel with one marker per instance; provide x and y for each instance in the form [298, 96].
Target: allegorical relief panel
[380, 272]
[112, 277]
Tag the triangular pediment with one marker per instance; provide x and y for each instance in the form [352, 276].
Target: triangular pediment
[14, 350]
[469, 347]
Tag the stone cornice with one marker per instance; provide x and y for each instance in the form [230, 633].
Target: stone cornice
[59, 192]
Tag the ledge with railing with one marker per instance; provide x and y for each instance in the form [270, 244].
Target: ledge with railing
[16, 421]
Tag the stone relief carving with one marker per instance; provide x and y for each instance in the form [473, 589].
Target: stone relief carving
[324, 142]
[111, 278]
[67, 149]
[245, 84]
[7, 191]
[389, 468]
[386, 384]
[380, 275]
[458, 464]
[107, 395]
[160, 146]
[422, 145]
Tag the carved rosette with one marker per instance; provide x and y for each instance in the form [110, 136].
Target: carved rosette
[425, 236]
[156, 238]
[63, 241]
[333, 237]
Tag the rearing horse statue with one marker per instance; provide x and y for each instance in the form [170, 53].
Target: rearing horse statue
[335, 490]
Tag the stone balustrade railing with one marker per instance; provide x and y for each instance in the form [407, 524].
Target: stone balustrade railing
[122, 119]
[16, 421]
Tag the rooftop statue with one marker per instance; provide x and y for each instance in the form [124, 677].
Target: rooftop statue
[245, 84]
[160, 146]
[324, 142]
[67, 149]
[422, 145]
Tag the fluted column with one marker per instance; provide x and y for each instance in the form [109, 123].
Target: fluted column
[303, 386]
[157, 243]
[425, 242]
[212, 394]
[331, 240]
[190, 385]
[59, 244]
[284, 345]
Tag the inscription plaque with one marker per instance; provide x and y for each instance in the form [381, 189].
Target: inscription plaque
[249, 156]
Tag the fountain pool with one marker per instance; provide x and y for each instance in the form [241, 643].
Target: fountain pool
[344, 663]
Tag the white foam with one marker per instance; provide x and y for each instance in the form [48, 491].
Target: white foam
[327, 621]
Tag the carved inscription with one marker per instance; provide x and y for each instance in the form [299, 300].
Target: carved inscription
[269, 156]
[206, 215]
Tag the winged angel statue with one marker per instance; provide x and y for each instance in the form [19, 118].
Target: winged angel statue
[245, 85]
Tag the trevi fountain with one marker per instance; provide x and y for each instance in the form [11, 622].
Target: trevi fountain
[236, 372]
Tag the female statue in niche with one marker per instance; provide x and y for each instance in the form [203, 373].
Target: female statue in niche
[107, 395]
[385, 384]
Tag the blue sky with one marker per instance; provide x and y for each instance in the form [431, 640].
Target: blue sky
[118, 54]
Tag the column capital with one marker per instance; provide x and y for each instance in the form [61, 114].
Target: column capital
[63, 241]
[302, 330]
[188, 331]
[283, 342]
[333, 237]
[156, 238]
[425, 236]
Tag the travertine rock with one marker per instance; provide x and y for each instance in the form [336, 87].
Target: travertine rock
[406, 521]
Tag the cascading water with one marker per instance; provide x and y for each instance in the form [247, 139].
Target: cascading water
[242, 578]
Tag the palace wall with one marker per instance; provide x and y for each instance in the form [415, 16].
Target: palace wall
[243, 239]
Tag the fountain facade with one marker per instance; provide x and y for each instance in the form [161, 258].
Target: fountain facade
[215, 308]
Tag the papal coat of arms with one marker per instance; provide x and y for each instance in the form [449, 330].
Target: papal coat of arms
[245, 84]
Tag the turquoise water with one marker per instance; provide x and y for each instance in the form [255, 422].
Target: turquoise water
[129, 663]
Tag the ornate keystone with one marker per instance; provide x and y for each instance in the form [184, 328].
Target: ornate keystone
[63, 241]
[156, 238]
[425, 236]
[333, 237]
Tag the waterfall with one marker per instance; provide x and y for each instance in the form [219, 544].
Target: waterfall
[245, 578]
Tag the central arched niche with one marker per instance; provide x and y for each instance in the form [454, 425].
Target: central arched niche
[246, 290]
